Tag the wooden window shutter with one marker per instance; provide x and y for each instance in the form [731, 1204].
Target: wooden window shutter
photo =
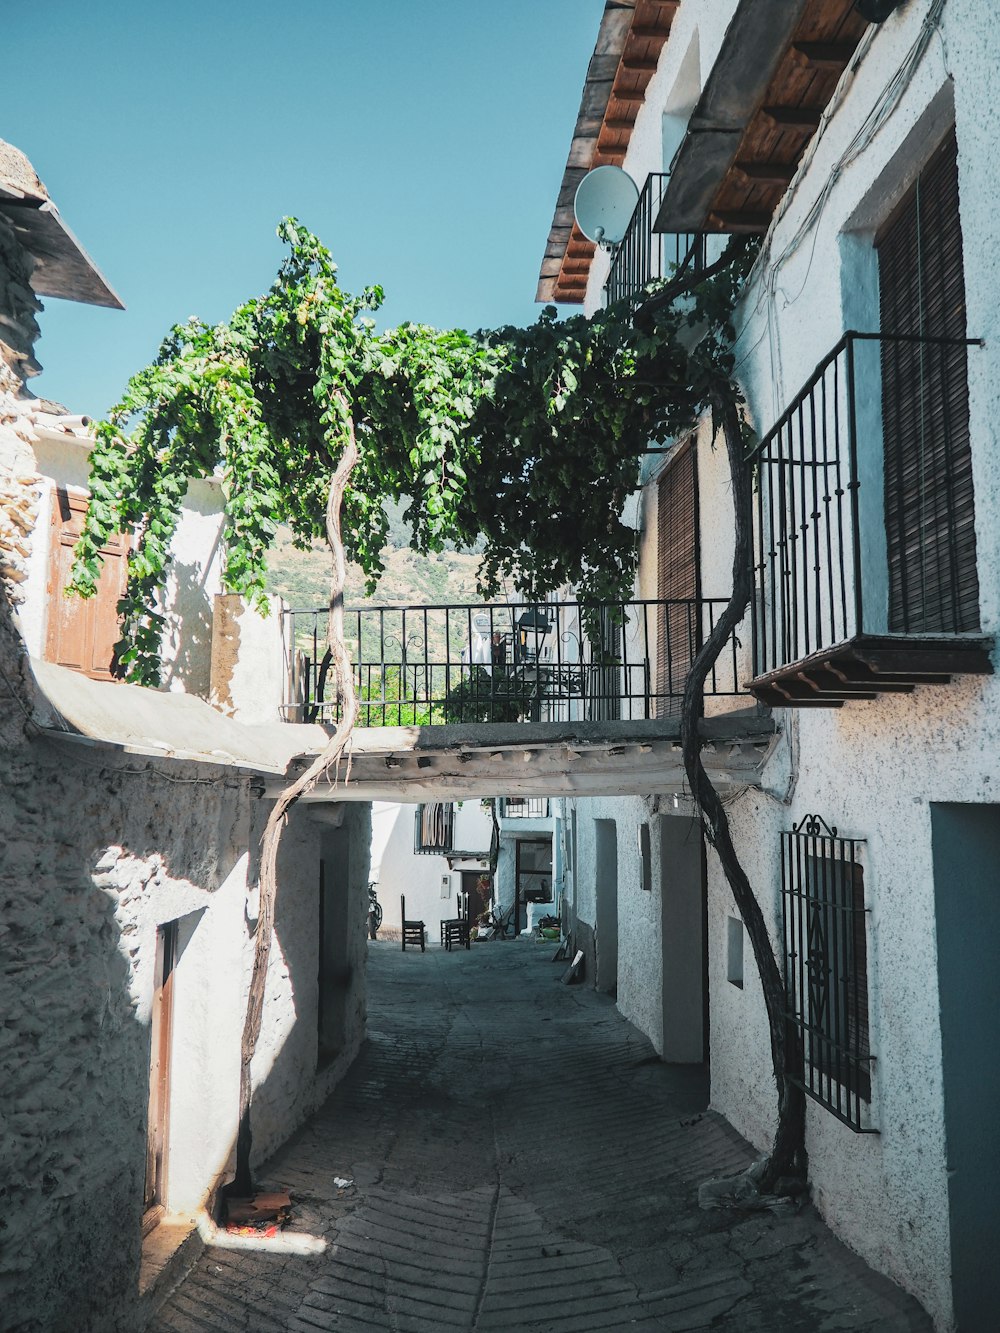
[677, 577]
[929, 502]
[82, 634]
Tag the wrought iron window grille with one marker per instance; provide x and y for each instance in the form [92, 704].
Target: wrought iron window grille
[824, 929]
[524, 807]
[434, 829]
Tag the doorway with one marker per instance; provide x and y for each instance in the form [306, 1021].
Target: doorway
[160, 1034]
[683, 910]
[606, 871]
[533, 875]
[477, 892]
[965, 842]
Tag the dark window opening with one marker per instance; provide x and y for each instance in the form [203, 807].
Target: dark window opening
[929, 502]
[826, 967]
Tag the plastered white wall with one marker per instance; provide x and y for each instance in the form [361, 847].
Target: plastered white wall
[97, 850]
[194, 579]
[871, 768]
[399, 870]
[250, 660]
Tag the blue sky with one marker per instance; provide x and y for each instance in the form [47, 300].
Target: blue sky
[424, 142]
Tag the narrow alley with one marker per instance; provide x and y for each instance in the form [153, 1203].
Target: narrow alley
[520, 1159]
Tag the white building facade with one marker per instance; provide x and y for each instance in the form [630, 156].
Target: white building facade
[130, 826]
[871, 845]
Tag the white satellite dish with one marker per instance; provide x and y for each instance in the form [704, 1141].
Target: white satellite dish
[604, 204]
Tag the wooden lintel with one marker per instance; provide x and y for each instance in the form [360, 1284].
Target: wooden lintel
[766, 173]
[824, 55]
[804, 118]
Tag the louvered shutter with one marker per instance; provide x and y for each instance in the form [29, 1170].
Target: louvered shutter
[929, 508]
[677, 577]
[82, 634]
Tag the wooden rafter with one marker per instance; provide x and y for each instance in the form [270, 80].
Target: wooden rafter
[625, 56]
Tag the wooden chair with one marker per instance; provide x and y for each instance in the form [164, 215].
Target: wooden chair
[455, 932]
[413, 931]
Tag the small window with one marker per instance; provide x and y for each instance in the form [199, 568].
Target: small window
[434, 829]
[826, 966]
[734, 951]
[645, 857]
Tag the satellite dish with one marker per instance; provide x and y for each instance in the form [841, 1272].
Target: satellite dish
[604, 204]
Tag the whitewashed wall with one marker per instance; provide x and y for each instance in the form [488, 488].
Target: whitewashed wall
[872, 768]
[399, 871]
[96, 851]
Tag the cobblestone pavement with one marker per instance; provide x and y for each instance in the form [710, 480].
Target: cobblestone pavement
[522, 1161]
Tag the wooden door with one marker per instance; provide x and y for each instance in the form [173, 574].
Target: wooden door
[677, 577]
[929, 509]
[161, 1026]
[82, 634]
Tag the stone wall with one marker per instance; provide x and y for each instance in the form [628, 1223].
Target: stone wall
[98, 849]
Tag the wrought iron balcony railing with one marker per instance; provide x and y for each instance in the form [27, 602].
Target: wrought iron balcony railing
[510, 662]
[865, 575]
[524, 807]
[644, 255]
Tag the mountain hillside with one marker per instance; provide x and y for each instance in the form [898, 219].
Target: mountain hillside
[302, 578]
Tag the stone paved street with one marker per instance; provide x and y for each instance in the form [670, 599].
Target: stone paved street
[521, 1160]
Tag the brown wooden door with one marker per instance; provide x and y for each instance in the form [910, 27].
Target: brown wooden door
[82, 634]
[929, 503]
[677, 577]
[161, 1028]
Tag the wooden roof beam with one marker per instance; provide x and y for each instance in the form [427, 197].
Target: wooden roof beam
[640, 64]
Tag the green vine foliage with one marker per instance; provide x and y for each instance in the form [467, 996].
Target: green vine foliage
[527, 438]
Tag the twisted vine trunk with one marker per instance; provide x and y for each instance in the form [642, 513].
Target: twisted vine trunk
[242, 1185]
[789, 1137]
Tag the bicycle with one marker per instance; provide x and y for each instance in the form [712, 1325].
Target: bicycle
[374, 911]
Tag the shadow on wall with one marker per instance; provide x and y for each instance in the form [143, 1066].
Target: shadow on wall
[101, 850]
[189, 631]
[85, 885]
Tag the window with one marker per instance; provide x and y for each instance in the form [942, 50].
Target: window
[82, 634]
[677, 577]
[734, 951]
[434, 829]
[929, 510]
[826, 967]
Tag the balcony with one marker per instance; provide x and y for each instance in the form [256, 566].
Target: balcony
[865, 562]
[524, 807]
[425, 666]
[645, 256]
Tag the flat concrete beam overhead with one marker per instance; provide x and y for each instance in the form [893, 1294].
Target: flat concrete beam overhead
[545, 759]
